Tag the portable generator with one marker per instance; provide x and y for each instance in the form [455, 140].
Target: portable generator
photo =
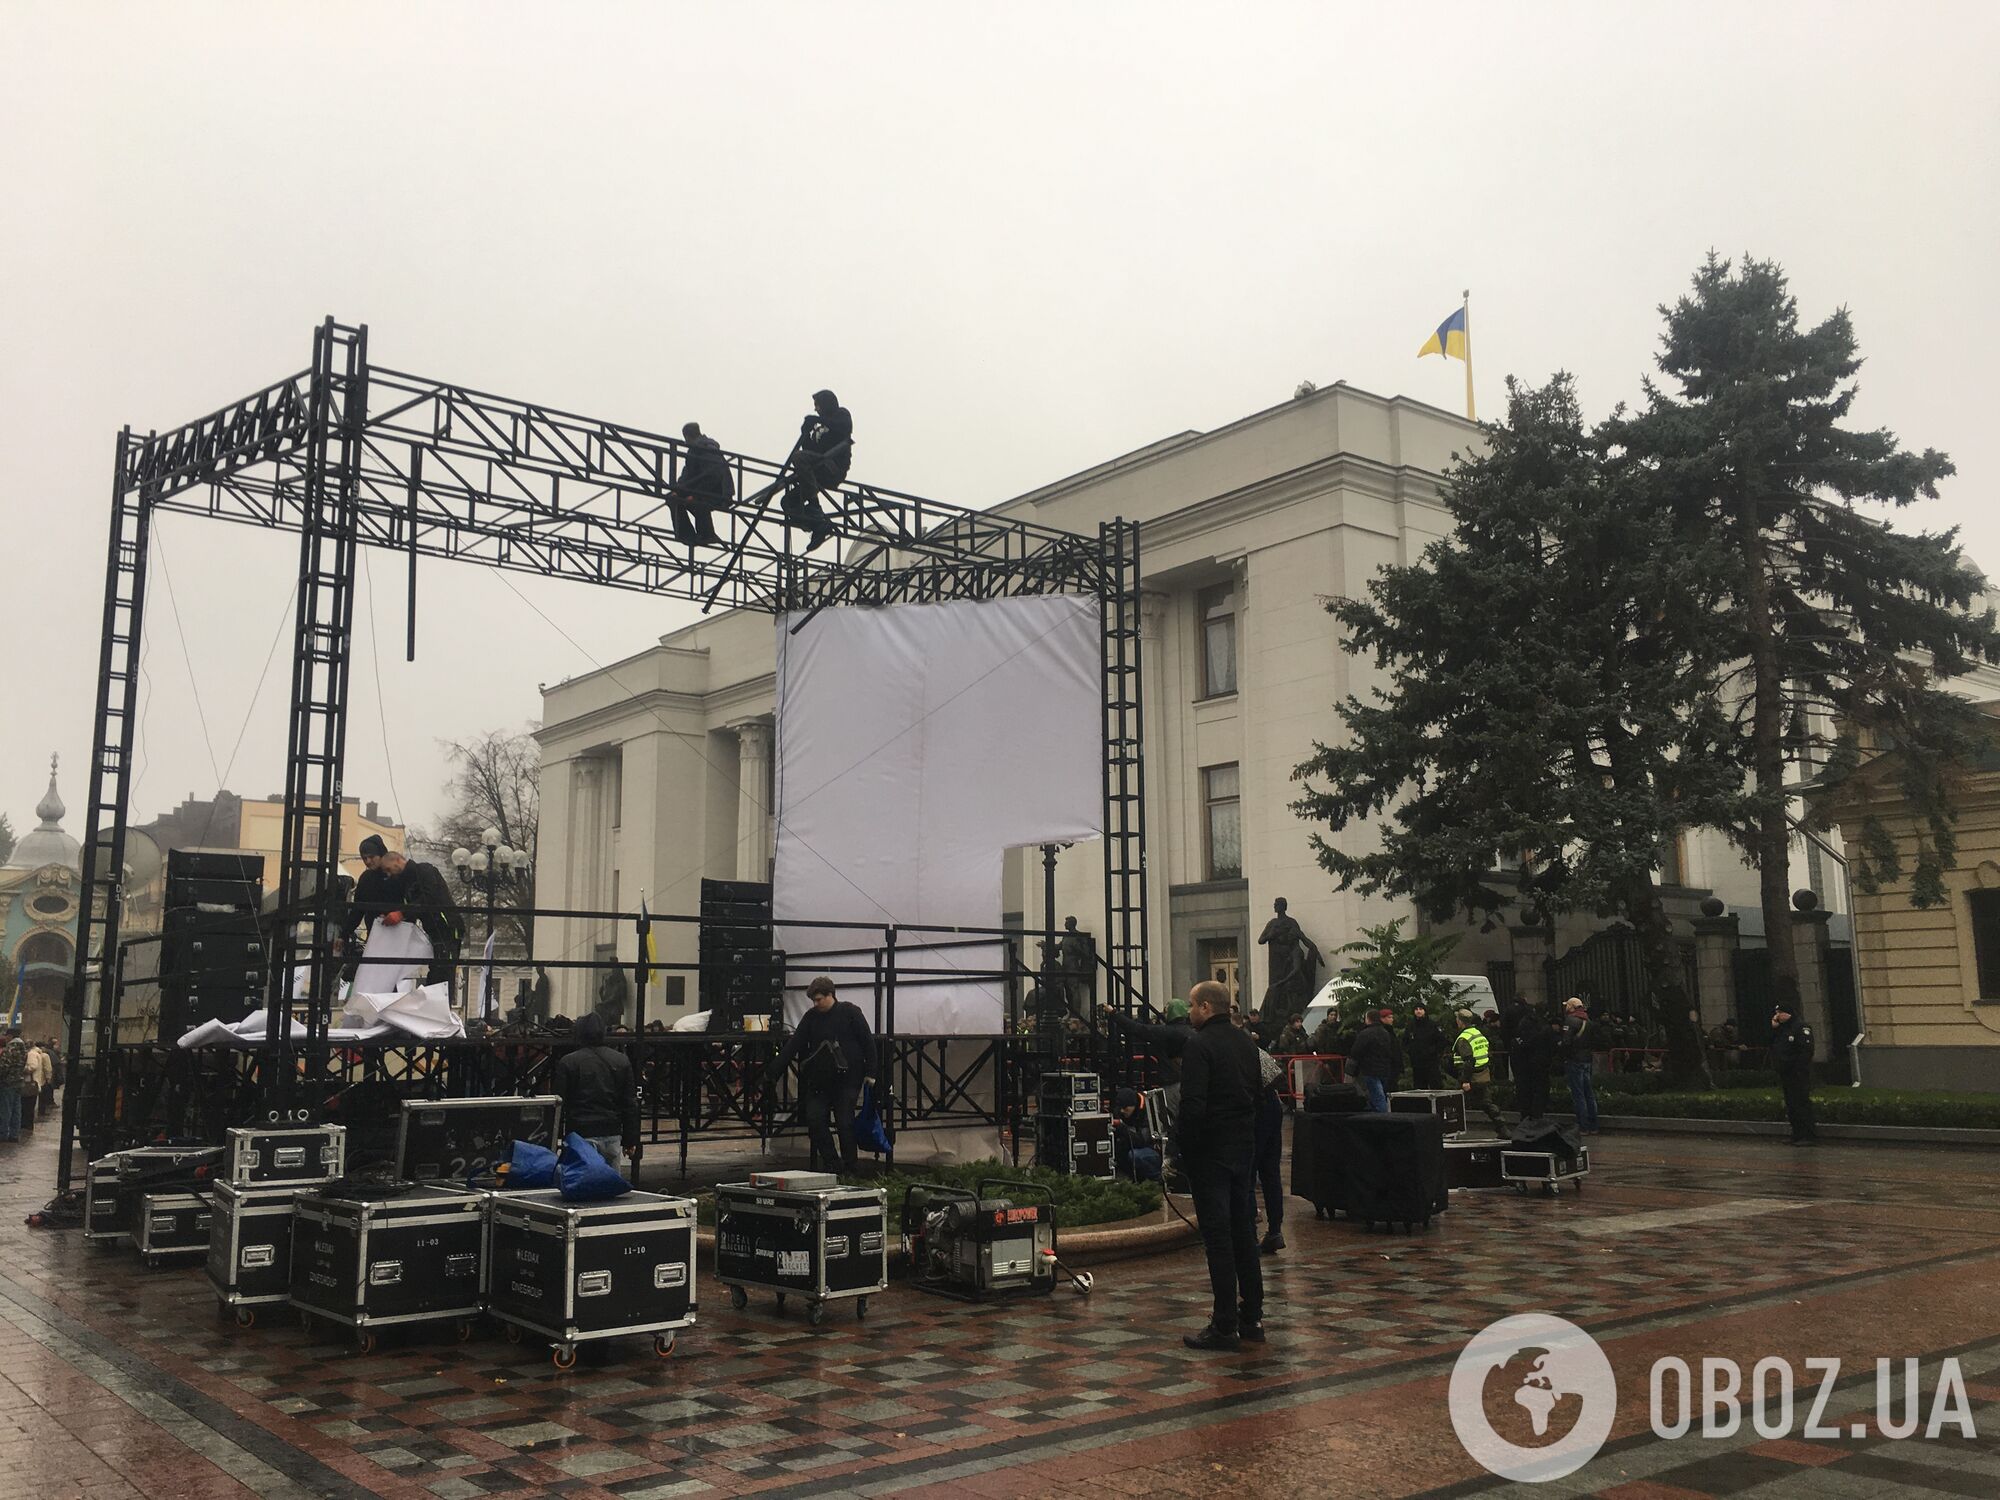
[997, 1242]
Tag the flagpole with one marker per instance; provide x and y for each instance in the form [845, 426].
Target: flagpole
[1470, 414]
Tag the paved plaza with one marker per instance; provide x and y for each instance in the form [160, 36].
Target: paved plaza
[117, 1381]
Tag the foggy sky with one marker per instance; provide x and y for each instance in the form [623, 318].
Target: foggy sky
[1017, 241]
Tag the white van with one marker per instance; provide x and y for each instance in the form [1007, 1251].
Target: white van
[1475, 993]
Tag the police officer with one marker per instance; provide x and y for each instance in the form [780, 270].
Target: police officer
[1792, 1059]
[1472, 1061]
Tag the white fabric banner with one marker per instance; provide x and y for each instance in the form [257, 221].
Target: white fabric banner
[916, 744]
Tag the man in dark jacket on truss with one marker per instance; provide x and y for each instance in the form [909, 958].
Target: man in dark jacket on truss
[819, 462]
[704, 487]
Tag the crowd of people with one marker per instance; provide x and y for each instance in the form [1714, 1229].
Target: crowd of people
[31, 1075]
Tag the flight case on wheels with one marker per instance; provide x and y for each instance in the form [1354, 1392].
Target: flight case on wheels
[1447, 1104]
[250, 1248]
[450, 1140]
[1077, 1145]
[171, 1226]
[105, 1221]
[369, 1257]
[577, 1271]
[802, 1233]
[1551, 1169]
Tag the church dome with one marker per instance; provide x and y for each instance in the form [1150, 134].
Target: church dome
[48, 844]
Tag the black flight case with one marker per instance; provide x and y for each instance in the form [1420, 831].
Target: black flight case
[1075, 1145]
[1447, 1104]
[250, 1248]
[451, 1140]
[371, 1256]
[171, 1226]
[256, 1156]
[105, 1221]
[577, 1271]
[801, 1233]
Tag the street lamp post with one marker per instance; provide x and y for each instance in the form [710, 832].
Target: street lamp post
[485, 862]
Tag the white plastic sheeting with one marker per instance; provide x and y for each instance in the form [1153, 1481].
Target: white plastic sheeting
[916, 744]
[395, 952]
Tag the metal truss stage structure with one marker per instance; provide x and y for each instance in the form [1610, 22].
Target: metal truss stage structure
[348, 454]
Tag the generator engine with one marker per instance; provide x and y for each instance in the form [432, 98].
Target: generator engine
[990, 1243]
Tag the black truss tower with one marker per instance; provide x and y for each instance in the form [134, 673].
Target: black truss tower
[349, 455]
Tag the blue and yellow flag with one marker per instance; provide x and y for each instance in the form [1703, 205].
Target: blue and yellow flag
[1449, 340]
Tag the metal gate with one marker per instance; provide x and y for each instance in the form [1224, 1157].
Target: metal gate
[1607, 971]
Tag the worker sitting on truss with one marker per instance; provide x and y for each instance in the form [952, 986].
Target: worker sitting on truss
[704, 487]
[819, 462]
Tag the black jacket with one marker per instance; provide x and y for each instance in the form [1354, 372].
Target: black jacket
[705, 474]
[828, 442]
[1376, 1053]
[375, 892]
[1580, 1039]
[1424, 1041]
[431, 906]
[598, 1094]
[1792, 1050]
[1220, 1085]
[841, 1028]
[1166, 1040]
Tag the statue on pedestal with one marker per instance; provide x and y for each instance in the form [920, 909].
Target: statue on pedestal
[1295, 964]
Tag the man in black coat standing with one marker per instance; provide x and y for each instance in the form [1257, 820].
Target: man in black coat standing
[1531, 1056]
[1377, 1059]
[1219, 1089]
[599, 1095]
[1425, 1044]
[1792, 1060]
[835, 1052]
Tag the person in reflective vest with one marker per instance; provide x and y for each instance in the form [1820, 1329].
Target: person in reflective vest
[1472, 1061]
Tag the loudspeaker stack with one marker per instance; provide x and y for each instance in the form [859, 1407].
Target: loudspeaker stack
[741, 973]
[213, 959]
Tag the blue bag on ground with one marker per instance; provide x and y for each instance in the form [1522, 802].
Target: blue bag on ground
[868, 1132]
[531, 1166]
[584, 1176]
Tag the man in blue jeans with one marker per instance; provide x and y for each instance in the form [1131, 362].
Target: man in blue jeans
[1377, 1059]
[1579, 1043]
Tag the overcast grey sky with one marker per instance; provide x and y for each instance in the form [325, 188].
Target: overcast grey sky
[1017, 239]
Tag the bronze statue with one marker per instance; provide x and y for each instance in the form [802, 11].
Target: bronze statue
[1076, 952]
[1295, 962]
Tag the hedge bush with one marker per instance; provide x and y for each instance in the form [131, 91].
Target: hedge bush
[1744, 1099]
[1079, 1200]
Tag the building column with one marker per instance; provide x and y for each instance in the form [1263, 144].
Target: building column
[1715, 943]
[1531, 959]
[753, 807]
[1809, 940]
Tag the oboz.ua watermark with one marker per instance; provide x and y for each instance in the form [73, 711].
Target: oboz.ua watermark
[1533, 1398]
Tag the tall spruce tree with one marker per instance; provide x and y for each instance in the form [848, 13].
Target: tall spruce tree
[1546, 697]
[1832, 627]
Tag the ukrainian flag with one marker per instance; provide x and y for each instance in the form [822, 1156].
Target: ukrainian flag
[1449, 340]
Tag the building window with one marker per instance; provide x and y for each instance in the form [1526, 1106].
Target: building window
[1222, 796]
[1985, 910]
[1217, 609]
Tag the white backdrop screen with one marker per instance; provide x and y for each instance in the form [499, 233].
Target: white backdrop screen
[916, 744]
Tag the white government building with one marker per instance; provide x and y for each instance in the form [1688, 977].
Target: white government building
[656, 770]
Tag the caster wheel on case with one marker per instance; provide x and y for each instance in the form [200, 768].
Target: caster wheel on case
[860, 1307]
[513, 1333]
[663, 1344]
[563, 1357]
[365, 1341]
[740, 1299]
[246, 1317]
[781, 1302]
[815, 1313]
[306, 1324]
[464, 1329]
